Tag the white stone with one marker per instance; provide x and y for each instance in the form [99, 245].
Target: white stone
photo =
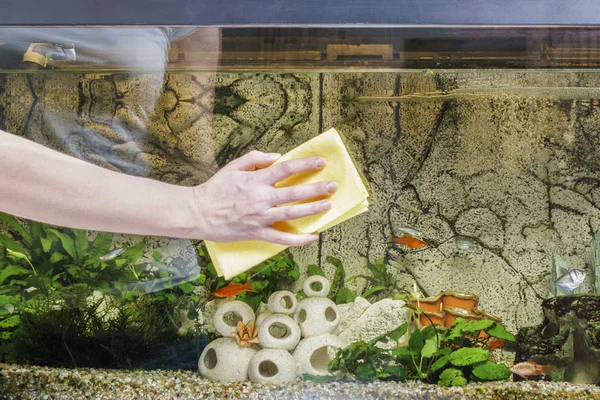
[350, 312]
[311, 280]
[283, 302]
[224, 361]
[379, 318]
[317, 316]
[227, 316]
[272, 366]
[278, 331]
[261, 318]
[313, 354]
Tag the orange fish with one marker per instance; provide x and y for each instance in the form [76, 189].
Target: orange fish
[495, 343]
[233, 289]
[526, 369]
[410, 241]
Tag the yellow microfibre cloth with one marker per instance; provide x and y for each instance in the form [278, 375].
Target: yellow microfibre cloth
[233, 258]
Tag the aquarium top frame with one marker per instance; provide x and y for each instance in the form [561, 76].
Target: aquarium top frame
[301, 12]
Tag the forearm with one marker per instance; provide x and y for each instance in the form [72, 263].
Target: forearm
[47, 186]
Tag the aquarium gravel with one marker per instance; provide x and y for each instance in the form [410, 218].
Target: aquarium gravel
[61, 383]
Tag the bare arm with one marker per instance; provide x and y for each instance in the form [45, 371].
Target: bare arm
[238, 203]
[47, 186]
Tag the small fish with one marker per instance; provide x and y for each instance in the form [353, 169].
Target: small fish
[233, 289]
[526, 369]
[409, 241]
[30, 289]
[112, 255]
[571, 280]
[10, 308]
[464, 243]
[495, 343]
[411, 232]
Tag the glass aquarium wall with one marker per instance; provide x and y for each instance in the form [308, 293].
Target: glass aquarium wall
[484, 141]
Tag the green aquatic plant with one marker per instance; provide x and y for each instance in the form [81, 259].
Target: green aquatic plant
[381, 282]
[48, 280]
[274, 274]
[339, 293]
[450, 356]
[42, 264]
[45, 260]
[106, 332]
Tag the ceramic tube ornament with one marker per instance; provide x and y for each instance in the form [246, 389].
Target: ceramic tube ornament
[314, 354]
[227, 316]
[224, 361]
[312, 281]
[279, 331]
[317, 316]
[261, 318]
[283, 302]
[272, 366]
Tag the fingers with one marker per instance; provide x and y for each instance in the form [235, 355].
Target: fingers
[253, 160]
[279, 172]
[296, 211]
[303, 192]
[284, 238]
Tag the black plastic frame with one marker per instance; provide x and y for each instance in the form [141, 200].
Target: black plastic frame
[300, 12]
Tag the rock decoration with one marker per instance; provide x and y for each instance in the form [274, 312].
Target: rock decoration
[287, 346]
[227, 316]
[272, 366]
[444, 308]
[314, 353]
[362, 319]
[278, 331]
[318, 317]
[283, 302]
[223, 359]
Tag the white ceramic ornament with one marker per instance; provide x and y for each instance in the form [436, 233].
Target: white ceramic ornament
[317, 316]
[228, 314]
[313, 354]
[224, 361]
[261, 318]
[279, 331]
[312, 282]
[272, 366]
[283, 302]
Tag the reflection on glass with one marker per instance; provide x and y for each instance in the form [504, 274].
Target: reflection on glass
[487, 134]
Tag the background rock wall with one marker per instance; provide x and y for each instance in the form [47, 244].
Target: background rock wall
[516, 174]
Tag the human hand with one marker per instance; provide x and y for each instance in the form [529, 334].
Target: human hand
[240, 201]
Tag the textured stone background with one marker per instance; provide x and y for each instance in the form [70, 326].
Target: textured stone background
[519, 175]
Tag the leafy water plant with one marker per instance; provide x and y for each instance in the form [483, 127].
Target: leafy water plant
[46, 260]
[49, 311]
[274, 274]
[42, 264]
[450, 356]
[381, 282]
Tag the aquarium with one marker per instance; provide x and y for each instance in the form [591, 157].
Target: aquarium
[476, 261]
